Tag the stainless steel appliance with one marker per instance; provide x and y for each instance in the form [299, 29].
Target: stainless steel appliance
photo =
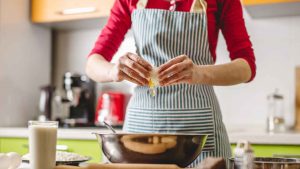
[45, 102]
[78, 99]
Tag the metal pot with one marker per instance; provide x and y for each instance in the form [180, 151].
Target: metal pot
[271, 163]
[179, 149]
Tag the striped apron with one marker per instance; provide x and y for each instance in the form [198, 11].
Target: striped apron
[161, 35]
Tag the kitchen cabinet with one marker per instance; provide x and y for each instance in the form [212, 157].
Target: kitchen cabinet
[272, 8]
[260, 2]
[14, 145]
[84, 147]
[92, 148]
[50, 11]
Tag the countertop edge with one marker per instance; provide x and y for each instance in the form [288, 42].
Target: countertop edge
[254, 137]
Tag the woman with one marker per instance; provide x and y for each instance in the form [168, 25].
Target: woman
[180, 38]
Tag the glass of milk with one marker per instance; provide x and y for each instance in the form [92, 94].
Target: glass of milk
[42, 144]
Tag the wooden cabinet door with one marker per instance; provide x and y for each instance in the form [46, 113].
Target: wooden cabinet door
[89, 148]
[261, 150]
[265, 2]
[47, 11]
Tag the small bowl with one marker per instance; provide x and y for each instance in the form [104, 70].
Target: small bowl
[179, 149]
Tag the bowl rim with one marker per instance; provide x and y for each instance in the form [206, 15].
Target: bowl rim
[153, 134]
[272, 162]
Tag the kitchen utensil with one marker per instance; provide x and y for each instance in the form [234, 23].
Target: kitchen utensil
[110, 127]
[271, 163]
[111, 108]
[275, 120]
[180, 148]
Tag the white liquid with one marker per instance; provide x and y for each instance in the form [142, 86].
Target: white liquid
[42, 146]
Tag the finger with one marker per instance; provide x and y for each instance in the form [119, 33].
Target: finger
[140, 61]
[178, 81]
[176, 77]
[130, 79]
[174, 69]
[134, 75]
[137, 67]
[171, 62]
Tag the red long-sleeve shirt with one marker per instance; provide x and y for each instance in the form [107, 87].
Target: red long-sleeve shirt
[224, 15]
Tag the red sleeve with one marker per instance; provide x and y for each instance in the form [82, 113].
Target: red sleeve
[114, 31]
[235, 33]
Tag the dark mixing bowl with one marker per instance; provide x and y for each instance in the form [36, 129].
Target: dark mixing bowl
[179, 149]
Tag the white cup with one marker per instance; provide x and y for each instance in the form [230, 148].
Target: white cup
[42, 144]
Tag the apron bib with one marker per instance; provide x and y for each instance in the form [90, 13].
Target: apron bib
[161, 35]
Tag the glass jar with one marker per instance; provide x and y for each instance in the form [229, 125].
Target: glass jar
[275, 119]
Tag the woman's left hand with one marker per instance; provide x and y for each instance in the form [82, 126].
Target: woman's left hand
[178, 70]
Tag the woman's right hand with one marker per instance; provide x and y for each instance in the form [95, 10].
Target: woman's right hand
[133, 68]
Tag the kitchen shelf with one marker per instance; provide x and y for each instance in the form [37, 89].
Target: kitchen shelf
[272, 8]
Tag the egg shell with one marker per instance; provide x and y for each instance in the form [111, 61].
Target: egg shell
[4, 161]
[154, 76]
[15, 160]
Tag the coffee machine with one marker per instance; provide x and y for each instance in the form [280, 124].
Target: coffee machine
[77, 101]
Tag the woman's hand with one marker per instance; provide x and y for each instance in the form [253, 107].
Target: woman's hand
[133, 68]
[178, 70]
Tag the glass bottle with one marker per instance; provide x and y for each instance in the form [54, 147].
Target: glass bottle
[243, 155]
[275, 119]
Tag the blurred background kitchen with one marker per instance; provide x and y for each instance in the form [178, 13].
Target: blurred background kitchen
[44, 45]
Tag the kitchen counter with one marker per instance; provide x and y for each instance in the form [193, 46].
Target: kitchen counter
[63, 133]
[254, 136]
[262, 137]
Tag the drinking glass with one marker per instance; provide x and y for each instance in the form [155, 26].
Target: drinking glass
[42, 144]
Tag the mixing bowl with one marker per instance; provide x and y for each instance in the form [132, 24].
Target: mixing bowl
[179, 149]
[271, 163]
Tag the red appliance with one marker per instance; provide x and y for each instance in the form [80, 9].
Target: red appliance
[111, 108]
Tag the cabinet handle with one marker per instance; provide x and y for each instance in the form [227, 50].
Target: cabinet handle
[73, 11]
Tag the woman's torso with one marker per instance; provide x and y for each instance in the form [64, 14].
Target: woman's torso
[213, 15]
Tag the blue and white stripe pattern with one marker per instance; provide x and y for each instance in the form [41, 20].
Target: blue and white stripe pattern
[161, 35]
